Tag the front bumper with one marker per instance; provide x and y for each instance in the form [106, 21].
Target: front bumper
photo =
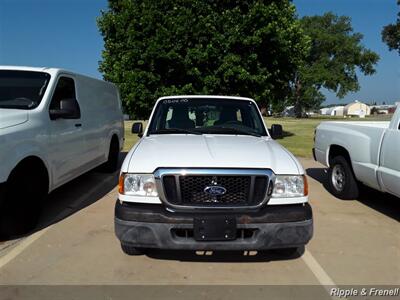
[152, 226]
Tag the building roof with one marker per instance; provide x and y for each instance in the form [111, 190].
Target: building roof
[354, 103]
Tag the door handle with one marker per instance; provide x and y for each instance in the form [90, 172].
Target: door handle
[78, 125]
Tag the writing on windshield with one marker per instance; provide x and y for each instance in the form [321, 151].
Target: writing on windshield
[207, 116]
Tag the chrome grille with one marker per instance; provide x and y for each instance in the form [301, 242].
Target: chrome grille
[185, 188]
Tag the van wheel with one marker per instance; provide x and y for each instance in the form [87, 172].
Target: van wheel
[111, 165]
[132, 251]
[21, 202]
[342, 182]
[2, 196]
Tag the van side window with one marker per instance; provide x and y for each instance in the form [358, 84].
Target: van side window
[65, 89]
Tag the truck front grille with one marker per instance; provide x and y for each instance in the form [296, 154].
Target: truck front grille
[190, 190]
[237, 189]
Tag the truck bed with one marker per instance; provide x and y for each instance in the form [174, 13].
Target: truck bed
[376, 124]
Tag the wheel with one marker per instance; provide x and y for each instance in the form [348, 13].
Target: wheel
[21, 202]
[342, 182]
[111, 165]
[130, 250]
[2, 195]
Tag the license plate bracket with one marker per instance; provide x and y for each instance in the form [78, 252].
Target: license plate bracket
[214, 229]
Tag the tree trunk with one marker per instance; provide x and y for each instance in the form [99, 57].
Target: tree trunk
[298, 107]
[263, 106]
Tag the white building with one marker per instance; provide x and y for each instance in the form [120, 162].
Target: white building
[336, 111]
[357, 109]
[288, 111]
[324, 111]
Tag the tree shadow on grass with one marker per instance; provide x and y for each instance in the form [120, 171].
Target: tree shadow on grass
[386, 204]
[286, 134]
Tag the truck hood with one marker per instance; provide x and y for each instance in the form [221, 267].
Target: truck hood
[12, 117]
[212, 151]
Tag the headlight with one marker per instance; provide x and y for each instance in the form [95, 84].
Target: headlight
[290, 186]
[137, 185]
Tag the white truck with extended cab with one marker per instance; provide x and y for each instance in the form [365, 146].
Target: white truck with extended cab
[206, 175]
[54, 126]
[366, 152]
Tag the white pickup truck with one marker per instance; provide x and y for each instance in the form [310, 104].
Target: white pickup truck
[206, 175]
[366, 152]
[54, 126]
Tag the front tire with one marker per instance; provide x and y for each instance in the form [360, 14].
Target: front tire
[21, 202]
[111, 165]
[342, 182]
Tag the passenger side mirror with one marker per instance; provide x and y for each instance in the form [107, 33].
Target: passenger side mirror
[69, 109]
[276, 131]
[137, 128]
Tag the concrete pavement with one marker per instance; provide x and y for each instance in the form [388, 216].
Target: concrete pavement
[355, 243]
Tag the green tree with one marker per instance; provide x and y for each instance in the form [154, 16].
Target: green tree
[391, 34]
[335, 55]
[231, 47]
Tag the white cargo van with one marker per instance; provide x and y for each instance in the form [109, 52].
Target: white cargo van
[54, 126]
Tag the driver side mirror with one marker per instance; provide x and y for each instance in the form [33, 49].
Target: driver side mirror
[276, 131]
[69, 109]
[137, 128]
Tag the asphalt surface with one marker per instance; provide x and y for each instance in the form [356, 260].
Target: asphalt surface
[355, 243]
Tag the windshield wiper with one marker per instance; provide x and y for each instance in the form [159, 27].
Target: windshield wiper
[236, 130]
[18, 103]
[176, 130]
[14, 106]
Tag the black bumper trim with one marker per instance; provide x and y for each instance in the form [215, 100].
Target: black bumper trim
[152, 226]
[155, 213]
[266, 236]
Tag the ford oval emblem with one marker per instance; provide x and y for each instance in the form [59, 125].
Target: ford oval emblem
[215, 190]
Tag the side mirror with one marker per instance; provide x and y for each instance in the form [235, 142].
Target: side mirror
[276, 131]
[69, 109]
[137, 128]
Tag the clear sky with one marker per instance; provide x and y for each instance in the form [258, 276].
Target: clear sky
[63, 33]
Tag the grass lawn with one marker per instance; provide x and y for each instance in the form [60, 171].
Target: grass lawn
[298, 133]
[130, 138]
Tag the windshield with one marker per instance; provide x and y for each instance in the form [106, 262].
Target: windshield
[207, 115]
[22, 89]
